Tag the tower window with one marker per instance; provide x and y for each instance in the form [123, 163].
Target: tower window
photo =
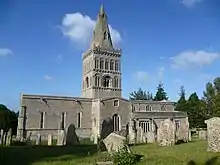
[97, 80]
[101, 64]
[148, 108]
[106, 81]
[87, 82]
[115, 82]
[111, 65]
[116, 103]
[96, 63]
[106, 64]
[106, 36]
[116, 65]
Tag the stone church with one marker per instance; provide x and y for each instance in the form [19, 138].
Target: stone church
[101, 109]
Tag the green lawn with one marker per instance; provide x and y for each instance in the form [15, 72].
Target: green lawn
[86, 154]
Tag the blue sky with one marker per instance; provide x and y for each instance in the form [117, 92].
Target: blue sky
[173, 41]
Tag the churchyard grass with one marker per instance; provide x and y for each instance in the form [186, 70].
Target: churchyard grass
[86, 154]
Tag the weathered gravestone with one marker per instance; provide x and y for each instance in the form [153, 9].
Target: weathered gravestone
[213, 130]
[49, 140]
[166, 133]
[131, 132]
[150, 137]
[114, 142]
[38, 140]
[9, 137]
[202, 134]
[2, 137]
[190, 135]
[71, 137]
[140, 136]
[183, 131]
[28, 140]
[61, 138]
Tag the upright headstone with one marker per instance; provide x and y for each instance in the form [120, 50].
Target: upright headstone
[71, 137]
[9, 137]
[202, 134]
[213, 129]
[61, 138]
[140, 136]
[28, 140]
[2, 137]
[50, 140]
[190, 135]
[166, 133]
[38, 140]
[150, 137]
[131, 132]
[183, 131]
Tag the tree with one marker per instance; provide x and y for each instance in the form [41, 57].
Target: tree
[140, 95]
[160, 94]
[8, 119]
[196, 111]
[181, 103]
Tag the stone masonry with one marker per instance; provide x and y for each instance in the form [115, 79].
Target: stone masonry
[101, 98]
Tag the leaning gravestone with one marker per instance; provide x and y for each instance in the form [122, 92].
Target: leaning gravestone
[213, 130]
[71, 137]
[166, 133]
[114, 142]
[9, 137]
[2, 137]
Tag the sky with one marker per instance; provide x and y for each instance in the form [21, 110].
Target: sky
[176, 42]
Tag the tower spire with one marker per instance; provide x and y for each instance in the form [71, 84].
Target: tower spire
[101, 33]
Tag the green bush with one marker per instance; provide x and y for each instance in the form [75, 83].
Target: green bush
[124, 157]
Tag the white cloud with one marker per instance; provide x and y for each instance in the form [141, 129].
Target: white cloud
[59, 58]
[6, 52]
[191, 59]
[48, 78]
[142, 76]
[79, 28]
[190, 3]
[161, 73]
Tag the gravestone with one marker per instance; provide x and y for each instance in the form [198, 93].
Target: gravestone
[166, 133]
[9, 137]
[50, 140]
[38, 140]
[71, 137]
[132, 132]
[190, 135]
[202, 134]
[213, 129]
[140, 136]
[28, 140]
[183, 131]
[107, 127]
[150, 137]
[114, 142]
[2, 137]
[61, 138]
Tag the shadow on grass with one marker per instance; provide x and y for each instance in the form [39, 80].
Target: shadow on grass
[211, 161]
[28, 154]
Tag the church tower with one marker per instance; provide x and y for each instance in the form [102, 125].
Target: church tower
[101, 76]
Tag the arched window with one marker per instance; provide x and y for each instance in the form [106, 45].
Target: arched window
[79, 117]
[116, 66]
[97, 80]
[42, 114]
[87, 82]
[106, 64]
[116, 122]
[62, 120]
[106, 81]
[96, 63]
[105, 35]
[111, 65]
[115, 82]
[101, 64]
[148, 108]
